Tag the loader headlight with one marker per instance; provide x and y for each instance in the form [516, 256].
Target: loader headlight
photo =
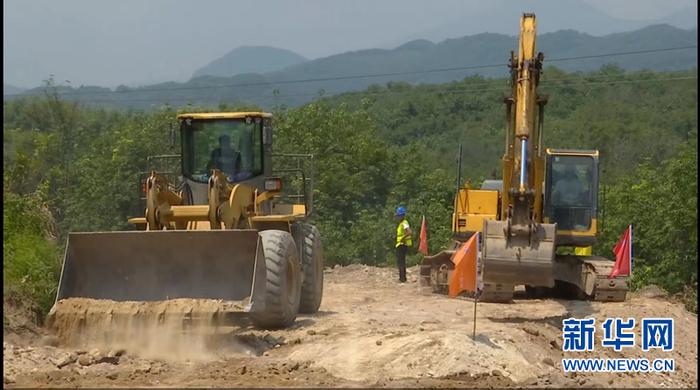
[273, 184]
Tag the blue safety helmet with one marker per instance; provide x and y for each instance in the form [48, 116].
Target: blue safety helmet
[400, 211]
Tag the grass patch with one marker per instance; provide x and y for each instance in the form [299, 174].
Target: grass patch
[31, 255]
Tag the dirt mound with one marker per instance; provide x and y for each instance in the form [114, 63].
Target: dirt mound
[20, 320]
[652, 291]
[405, 354]
[178, 329]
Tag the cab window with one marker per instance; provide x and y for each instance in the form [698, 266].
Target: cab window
[233, 146]
[572, 193]
[571, 180]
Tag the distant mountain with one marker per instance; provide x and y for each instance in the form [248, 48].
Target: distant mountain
[498, 16]
[8, 89]
[250, 59]
[418, 61]
[685, 18]
[489, 48]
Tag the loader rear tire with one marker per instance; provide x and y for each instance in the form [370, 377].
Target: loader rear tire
[309, 241]
[283, 287]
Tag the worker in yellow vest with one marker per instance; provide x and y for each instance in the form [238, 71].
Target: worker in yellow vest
[403, 241]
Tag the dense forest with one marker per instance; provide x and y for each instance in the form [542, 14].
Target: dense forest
[70, 167]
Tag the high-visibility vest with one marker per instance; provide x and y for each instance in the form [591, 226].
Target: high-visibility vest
[583, 251]
[402, 237]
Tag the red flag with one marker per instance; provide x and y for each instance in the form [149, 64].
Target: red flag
[423, 246]
[465, 275]
[623, 255]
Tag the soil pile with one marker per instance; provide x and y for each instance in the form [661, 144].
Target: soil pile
[178, 329]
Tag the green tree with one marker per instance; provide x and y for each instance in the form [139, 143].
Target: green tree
[660, 201]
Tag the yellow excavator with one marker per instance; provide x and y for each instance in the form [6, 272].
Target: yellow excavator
[227, 231]
[545, 204]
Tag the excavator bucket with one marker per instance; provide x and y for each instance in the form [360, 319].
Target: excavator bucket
[519, 259]
[226, 265]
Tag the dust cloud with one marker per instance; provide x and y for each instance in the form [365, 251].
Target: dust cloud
[174, 330]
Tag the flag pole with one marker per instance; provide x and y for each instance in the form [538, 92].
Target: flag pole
[477, 282]
[631, 252]
[476, 298]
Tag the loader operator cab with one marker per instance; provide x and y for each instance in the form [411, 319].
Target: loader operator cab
[231, 145]
[571, 193]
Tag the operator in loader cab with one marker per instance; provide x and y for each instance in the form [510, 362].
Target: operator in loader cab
[403, 241]
[225, 158]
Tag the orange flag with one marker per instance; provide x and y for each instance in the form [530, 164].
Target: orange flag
[464, 276]
[623, 255]
[423, 246]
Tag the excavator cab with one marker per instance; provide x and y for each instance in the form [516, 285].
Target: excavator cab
[571, 195]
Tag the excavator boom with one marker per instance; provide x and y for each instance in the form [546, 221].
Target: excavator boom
[519, 248]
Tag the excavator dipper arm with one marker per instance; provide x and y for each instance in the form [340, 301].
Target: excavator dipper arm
[519, 248]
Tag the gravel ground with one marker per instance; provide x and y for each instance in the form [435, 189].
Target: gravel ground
[370, 331]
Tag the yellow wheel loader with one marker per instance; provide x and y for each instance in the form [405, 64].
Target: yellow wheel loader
[227, 231]
[547, 199]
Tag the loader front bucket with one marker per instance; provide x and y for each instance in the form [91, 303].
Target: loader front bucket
[226, 265]
[518, 259]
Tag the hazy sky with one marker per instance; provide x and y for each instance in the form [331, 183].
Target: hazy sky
[99, 42]
[639, 9]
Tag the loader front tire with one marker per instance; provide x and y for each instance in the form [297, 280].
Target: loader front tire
[283, 287]
[309, 241]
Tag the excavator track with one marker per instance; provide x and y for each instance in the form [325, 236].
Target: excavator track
[595, 284]
[497, 293]
[606, 289]
[590, 275]
[583, 277]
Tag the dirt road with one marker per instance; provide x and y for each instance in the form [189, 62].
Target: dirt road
[372, 331]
